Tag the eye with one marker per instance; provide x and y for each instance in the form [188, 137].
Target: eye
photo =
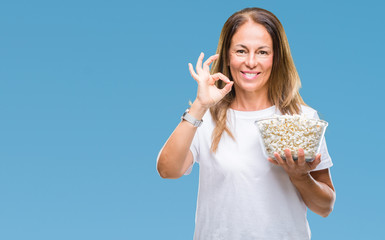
[263, 53]
[240, 52]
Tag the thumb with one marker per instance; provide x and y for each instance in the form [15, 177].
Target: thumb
[316, 161]
[227, 88]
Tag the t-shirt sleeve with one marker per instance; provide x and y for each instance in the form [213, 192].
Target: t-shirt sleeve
[194, 149]
[326, 161]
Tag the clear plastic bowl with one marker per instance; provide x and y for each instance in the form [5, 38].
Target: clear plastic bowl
[291, 131]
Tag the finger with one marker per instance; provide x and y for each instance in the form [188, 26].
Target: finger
[227, 88]
[206, 64]
[289, 159]
[301, 157]
[279, 159]
[224, 78]
[221, 76]
[316, 161]
[272, 161]
[199, 63]
[217, 76]
[192, 72]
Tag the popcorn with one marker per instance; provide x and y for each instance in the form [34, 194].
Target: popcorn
[292, 132]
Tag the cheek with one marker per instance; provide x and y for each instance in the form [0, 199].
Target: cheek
[235, 63]
[267, 63]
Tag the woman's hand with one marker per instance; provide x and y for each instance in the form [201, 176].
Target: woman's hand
[208, 94]
[296, 169]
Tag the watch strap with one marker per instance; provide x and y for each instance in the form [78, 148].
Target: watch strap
[195, 122]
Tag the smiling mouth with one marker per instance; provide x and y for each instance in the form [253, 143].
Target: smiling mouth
[250, 75]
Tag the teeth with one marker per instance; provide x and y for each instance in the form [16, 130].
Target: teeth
[250, 75]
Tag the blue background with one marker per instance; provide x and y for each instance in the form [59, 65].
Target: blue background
[90, 91]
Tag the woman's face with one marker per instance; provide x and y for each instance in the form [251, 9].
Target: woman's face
[251, 58]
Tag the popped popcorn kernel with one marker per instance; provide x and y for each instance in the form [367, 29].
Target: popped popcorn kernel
[292, 132]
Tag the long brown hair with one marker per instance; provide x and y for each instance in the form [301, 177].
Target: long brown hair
[283, 83]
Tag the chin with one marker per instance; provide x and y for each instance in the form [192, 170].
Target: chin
[250, 87]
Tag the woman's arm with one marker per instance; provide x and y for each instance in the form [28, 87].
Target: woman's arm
[316, 188]
[175, 157]
[317, 191]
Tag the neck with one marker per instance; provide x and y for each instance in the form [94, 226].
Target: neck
[250, 101]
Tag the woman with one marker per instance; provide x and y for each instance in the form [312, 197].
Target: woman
[243, 195]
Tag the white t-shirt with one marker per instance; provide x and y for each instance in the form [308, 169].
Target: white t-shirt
[241, 194]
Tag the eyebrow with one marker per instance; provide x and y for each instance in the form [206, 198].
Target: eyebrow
[241, 45]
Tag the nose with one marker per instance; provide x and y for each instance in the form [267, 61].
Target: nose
[251, 60]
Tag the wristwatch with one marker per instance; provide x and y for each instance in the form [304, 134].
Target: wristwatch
[186, 116]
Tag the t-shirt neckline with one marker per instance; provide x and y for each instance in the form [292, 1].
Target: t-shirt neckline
[253, 114]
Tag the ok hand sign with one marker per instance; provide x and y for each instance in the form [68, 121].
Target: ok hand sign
[208, 94]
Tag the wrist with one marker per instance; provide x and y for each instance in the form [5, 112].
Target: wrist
[302, 178]
[198, 110]
[189, 118]
[201, 104]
